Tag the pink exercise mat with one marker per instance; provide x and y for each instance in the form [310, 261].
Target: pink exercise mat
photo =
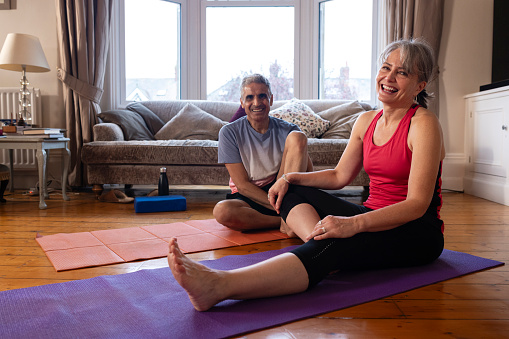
[68, 251]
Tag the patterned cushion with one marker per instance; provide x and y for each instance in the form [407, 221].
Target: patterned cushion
[303, 116]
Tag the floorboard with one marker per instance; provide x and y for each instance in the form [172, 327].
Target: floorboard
[472, 306]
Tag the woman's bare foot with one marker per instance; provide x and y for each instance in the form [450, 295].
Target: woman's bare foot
[200, 282]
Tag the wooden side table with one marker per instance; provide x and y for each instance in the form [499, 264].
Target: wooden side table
[40, 145]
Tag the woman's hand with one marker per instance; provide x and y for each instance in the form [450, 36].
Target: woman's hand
[334, 227]
[277, 192]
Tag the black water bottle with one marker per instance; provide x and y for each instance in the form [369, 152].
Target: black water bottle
[163, 188]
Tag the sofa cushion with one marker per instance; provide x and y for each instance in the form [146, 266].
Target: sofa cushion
[342, 118]
[301, 115]
[132, 124]
[342, 128]
[153, 122]
[326, 152]
[239, 114]
[108, 132]
[168, 109]
[191, 123]
[188, 152]
[151, 152]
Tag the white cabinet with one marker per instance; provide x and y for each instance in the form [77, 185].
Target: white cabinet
[486, 144]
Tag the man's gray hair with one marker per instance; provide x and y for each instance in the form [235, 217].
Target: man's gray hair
[254, 78]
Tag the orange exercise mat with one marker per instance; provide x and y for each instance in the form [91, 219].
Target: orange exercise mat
[68, 251]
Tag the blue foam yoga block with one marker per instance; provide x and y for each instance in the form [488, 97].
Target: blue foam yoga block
[162, 203]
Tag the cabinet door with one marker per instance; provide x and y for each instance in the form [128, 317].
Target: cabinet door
[489, 137]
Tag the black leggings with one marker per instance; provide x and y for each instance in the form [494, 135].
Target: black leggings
[253, 204]
[415, 243]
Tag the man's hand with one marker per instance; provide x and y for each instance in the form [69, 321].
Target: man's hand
[276, 193]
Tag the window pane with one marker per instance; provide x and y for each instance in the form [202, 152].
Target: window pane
[345, 49]
[152, 43]
[236, 47]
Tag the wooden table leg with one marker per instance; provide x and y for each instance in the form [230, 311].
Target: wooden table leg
[41, 161]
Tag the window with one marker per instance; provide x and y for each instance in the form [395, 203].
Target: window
[151, 58]
[235, 50]
[200, 49]
[345, 67]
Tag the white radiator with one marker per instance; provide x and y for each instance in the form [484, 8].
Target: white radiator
[9, 108]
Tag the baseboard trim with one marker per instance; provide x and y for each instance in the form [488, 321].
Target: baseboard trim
[453, 171]
[488, 187]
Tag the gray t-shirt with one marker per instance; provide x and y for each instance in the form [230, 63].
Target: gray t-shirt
[261, 154]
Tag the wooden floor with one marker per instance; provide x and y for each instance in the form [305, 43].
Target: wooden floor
[473, 306]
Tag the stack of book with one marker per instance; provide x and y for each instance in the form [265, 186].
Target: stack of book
[47, 133]
[13, 130]
[29, 132]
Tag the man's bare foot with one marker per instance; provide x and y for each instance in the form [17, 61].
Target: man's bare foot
[200, 282]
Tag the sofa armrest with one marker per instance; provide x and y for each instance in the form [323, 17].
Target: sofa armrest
[108, 132]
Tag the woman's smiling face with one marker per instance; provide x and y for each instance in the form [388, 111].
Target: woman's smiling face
[395, 84]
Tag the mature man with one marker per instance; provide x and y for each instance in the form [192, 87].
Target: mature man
[257, 150]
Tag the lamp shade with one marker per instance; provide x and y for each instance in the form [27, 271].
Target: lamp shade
[23, 50]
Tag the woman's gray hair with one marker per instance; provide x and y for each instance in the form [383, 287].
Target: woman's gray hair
[418, 58]
[254, 78]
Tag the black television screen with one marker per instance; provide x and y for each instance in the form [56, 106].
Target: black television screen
[500, 58]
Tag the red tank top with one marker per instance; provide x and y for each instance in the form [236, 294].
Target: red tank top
[388, 165]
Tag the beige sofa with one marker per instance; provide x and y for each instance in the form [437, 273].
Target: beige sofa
[131, 145]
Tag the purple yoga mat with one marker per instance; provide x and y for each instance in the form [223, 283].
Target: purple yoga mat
[150, 304]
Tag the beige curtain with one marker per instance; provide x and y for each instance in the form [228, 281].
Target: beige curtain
[412, 19]
[83, 33]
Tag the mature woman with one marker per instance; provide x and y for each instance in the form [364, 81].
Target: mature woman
[401, 149]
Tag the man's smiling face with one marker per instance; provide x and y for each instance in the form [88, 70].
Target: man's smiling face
[256, 101]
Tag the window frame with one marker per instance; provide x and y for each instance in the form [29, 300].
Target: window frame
[115, 84]
[376, 35]
[193, 48]
[250, 3]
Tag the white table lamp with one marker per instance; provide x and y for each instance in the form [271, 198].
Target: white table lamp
[23, 52]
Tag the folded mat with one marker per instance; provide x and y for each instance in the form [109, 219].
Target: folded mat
[150, 303]
[68, 251]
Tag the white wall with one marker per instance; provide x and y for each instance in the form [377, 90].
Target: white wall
[465, 65]
[464, 61]
[36, 17]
